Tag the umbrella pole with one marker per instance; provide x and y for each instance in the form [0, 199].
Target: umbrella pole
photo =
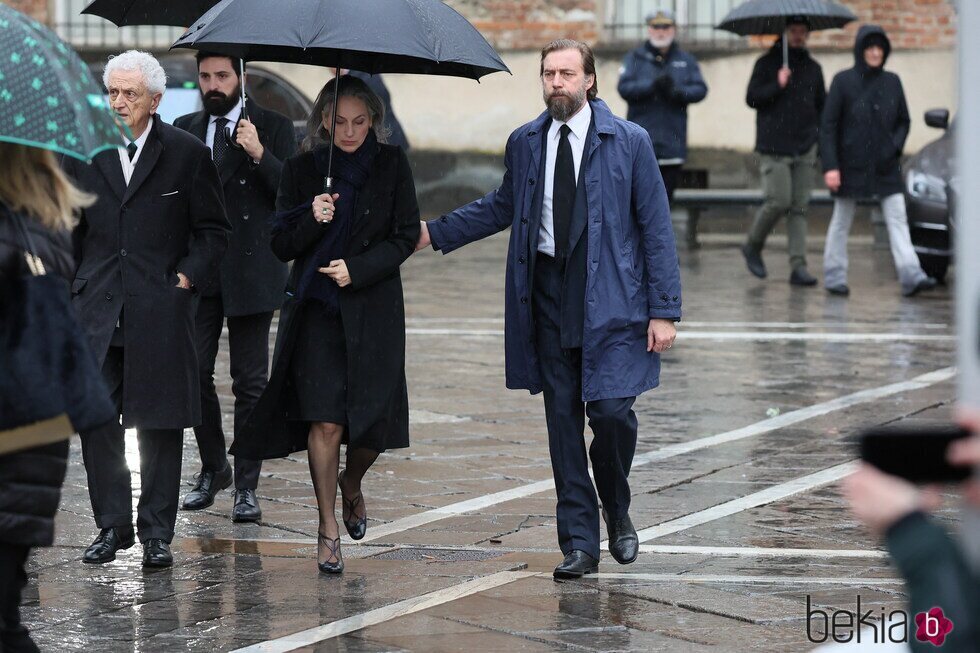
[786, 48]
[328, 182]
[241, 79]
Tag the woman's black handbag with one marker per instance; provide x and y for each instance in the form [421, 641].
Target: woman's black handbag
[50, 383]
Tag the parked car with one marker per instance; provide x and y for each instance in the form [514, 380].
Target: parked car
[264, 86]
[930, 189]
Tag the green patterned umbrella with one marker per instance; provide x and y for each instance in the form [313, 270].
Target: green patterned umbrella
[48, 98]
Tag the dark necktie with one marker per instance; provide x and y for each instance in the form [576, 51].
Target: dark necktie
[563, 194]
[132, 148]
[220, 146]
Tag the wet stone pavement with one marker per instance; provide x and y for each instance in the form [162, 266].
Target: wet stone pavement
[734, 490]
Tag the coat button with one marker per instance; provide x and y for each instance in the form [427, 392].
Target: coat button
[530, 181]
[365, 243]
[122, 252]
[367, 211]
[245, 216]
[241, 181]
[663, 297]
[523, 300]
[675, 298]
[521, 259]
[523, 220]
[248, 251]
[108, 296]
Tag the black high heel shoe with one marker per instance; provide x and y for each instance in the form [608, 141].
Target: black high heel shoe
[356, 526]
[333, 545]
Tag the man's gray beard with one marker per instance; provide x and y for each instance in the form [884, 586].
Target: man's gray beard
[661, 44]
[563, 108]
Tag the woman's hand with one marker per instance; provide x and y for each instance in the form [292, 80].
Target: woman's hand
[323, 207]
[337, 270]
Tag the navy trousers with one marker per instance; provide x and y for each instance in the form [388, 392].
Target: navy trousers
[612, 421]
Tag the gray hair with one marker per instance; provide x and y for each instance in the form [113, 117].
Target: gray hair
[135, 61]
[349, 87]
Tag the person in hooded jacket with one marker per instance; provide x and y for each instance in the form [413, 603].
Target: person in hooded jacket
[658, 80]
[863, 130]
[788, 101]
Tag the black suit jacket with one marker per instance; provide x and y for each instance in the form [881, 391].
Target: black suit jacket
[129, 247]
[252, 279]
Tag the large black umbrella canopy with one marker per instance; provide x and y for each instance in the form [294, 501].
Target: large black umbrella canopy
[757, 17]
[176, 13]
[374, 36]
[48, 97]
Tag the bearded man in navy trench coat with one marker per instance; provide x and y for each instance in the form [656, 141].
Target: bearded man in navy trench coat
[592, 289]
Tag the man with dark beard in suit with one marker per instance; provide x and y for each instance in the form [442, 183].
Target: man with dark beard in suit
[248, 148]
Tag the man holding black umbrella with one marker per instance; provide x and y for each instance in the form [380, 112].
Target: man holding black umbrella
[155, 235]
[250, 285]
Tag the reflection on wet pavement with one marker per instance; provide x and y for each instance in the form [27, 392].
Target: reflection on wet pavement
[461, 538]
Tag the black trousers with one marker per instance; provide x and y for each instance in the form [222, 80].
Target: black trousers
[612, 421]
[248, 343]
[109, 480]
[13, 636]
[672, 175]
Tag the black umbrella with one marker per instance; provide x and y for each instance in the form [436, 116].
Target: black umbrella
[374, 36]
[176, 13]
[769, 17]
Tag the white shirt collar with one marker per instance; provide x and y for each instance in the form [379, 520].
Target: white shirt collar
[579, 123]
[142, 137]
[231, 116]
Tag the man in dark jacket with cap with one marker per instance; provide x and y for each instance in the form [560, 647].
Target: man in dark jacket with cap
[658, 80]
[864, 127]
[788, 101]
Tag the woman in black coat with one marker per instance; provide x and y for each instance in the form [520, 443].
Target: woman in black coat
[338, 373]
[36, 196]
[863, 129]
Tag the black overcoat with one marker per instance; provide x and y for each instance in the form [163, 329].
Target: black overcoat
[129, 247]
[864, 126]
[252, 278]
[383, 235]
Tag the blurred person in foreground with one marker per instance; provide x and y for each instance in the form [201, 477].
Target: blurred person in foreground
[35, 192]
[933, 563]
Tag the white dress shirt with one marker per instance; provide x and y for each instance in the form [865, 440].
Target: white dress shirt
[579, 126]
[129, 166]
[232, 117]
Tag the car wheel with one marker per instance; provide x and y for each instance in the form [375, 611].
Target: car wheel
[935, 266]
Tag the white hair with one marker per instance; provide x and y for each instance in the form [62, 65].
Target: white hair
[135, 61]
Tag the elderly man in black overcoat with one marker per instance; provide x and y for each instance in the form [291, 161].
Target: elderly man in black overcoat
[252, 281]
[155, 235]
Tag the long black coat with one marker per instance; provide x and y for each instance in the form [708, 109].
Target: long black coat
[30, 480]
[787, 119]
[251, 278]
[129, 246]
[864, 127]
[372, 308]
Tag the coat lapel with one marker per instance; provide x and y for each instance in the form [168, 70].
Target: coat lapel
[152, 150]
[110, 167]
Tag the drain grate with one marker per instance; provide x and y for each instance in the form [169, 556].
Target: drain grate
[438, 555]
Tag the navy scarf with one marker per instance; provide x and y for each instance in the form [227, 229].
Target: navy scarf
[350, 174]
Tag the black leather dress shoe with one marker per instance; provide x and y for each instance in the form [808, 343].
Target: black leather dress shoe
[840, 290]
[800, 277]
[576, 564]
[110, 540]
[156, 553]
[753, 261]
[246, 506]
[926, 284]
[208, 485]
[624, 545]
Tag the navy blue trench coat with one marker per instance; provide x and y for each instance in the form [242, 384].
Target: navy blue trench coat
[632, 270]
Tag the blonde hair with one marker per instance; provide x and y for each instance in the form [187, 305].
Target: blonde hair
[31, 182]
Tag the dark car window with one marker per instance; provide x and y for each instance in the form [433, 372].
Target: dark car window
[272, 94]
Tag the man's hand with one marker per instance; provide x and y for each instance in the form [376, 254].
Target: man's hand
[832, 179]
[880, 500]
[248, 137]
[337, 270]
[424, 240]
[783, 76]
[184, 282]
[660, 335]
